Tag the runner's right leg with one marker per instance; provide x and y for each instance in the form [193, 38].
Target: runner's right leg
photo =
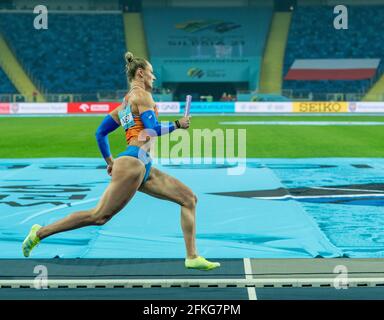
[127, 176]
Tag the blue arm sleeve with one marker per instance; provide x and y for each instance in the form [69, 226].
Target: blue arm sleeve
[107, 126]
[150, 122]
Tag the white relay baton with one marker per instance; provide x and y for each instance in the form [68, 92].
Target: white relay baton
[187, 105]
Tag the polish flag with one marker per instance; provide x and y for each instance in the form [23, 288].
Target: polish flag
[333, 69]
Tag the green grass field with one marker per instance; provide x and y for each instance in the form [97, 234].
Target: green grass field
[51, 137]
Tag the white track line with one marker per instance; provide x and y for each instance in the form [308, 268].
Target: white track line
[248, 276]
[187, 283]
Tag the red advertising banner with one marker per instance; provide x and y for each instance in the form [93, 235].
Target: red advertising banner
[4, 108]
[92, 107]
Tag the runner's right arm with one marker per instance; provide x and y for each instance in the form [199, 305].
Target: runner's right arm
[109, 124]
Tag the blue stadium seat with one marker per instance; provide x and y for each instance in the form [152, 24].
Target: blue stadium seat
[6, 86]
[79, 53]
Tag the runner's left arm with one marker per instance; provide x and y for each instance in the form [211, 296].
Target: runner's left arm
[149, 119]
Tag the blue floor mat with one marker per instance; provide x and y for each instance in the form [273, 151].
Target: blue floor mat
[280, 208]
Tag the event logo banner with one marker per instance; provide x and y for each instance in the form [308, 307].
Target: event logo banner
[193, 70]
[92, 107]
[369, 107]
[38, 108]
[320, 107]
[168, 107]
[244, 107]
[211, 107]
[207, 44]
[206, 33]
[4, 108]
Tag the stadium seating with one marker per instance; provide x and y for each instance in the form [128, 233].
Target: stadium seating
[78, 53]
[313, 36]
[6, 86]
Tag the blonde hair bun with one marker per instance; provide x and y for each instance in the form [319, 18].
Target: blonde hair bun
[129, 57]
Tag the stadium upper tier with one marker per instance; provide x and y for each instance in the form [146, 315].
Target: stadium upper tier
[6, 85]
[313, 36]
[78, 53]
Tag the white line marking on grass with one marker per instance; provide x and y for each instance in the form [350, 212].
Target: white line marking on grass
[303, 123]
[248, 276]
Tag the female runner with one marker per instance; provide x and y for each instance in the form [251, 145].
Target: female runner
[131, 171]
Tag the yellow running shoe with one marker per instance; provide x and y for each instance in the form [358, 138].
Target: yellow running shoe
[200, 263]
[31, 241]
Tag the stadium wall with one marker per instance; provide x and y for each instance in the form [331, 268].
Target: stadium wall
[68, 4]
[338, 2]
[206, 3]
[89, 108]
[355, 2]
